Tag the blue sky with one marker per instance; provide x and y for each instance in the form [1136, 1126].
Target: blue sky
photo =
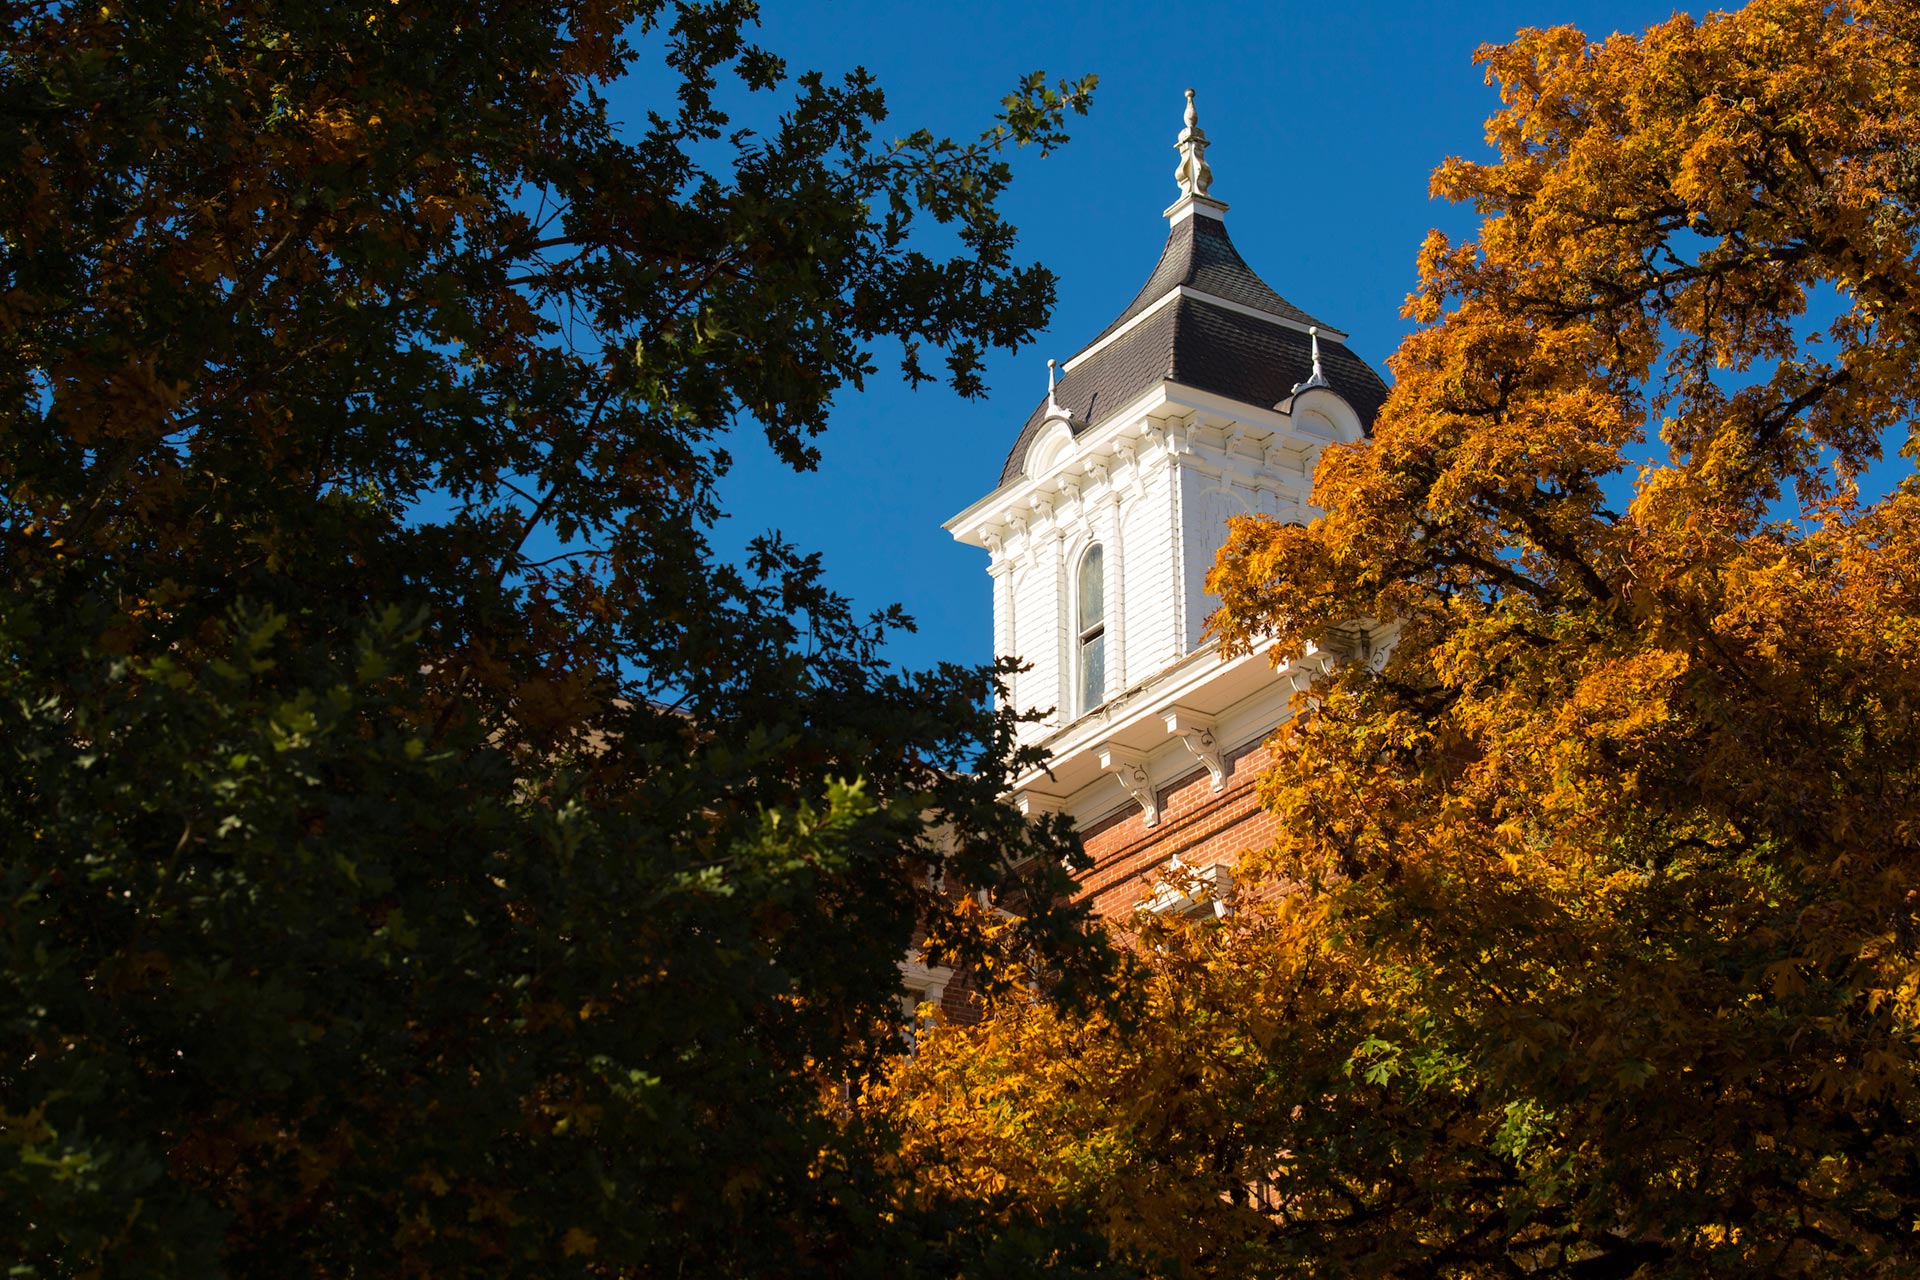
[1324, 120]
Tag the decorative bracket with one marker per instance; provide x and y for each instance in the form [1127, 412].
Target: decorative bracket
[1351, 643]
[1198, 734]
[1131, 770]
[1032, 805]
[1129, 457]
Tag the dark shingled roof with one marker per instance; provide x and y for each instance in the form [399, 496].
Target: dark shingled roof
[1200, 345]
[1199, 254]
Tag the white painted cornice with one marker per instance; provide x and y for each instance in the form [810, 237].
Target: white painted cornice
[1157, 426]
[1237, 700]
[1118, 437]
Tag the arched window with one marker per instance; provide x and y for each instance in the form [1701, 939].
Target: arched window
[1092, 630]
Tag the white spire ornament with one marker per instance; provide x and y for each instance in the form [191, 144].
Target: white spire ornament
[1194, 174]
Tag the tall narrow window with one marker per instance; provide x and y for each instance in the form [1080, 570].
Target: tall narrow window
[1093, 631]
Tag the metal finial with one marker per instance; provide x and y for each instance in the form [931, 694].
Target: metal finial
[1316, 378]
[1052, 404]
[1193, 174]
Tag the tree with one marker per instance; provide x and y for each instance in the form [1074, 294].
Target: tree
[383, 895]
[1591, 944]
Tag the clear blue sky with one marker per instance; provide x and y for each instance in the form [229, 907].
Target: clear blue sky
[1324, 120]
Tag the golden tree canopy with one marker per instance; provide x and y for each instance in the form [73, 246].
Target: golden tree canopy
[1589, 946]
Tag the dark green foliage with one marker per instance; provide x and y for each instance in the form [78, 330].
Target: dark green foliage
[378, 901]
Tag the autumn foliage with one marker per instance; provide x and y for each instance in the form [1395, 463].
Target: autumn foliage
[1591, 945]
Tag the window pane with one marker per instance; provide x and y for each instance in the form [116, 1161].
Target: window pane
[1092, 590]
[1093, 672]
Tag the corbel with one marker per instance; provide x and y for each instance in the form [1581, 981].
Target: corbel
[1128, 456]
[1131, 770]
[1289, 452]
[1352, 643]
[1197, 733]
[1032, 804]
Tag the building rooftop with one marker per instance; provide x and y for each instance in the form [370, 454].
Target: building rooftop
[1204, 320]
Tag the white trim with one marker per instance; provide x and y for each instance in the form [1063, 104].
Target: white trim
[1188, 205]
[1165, 899]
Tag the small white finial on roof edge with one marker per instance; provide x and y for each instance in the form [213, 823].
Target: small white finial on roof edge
[1317, 378]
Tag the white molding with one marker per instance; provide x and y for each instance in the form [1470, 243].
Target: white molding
[1165, 899]
[928, 979]
[1189, 205]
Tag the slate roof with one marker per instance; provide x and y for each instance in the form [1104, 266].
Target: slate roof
[1200, 254]
[1201, 345]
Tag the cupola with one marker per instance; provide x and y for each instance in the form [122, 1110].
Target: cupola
[1208, 396]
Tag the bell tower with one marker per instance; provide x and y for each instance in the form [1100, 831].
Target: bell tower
[1210, 395]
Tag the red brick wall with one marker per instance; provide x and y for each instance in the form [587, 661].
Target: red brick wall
[1198, 824]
